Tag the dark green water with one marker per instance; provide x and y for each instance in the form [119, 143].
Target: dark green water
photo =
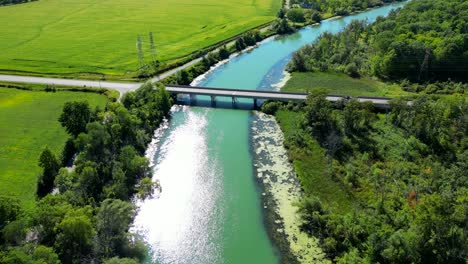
[209, 209]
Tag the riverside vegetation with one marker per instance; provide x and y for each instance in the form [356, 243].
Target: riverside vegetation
[88, 217]
[387, 187]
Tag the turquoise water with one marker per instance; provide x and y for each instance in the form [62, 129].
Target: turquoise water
[209, 209]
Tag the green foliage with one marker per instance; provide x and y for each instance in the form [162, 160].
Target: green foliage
[281, 13]
[248, 39]
[223, 53]
[339, 7]
[113, 220]
[281, 26]
[424, 41]
[75, 116]
[50, 166]
[14, 232]
[146, 188]
[403, 170]
[271, 107]
[74, 238]
[9, 210]
[45, 255]
[316, 17]
[296, 15]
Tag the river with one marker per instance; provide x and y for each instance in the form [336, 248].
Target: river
[210, 207]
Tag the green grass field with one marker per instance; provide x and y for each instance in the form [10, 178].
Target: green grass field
[28, 122]
[338, 83]
[312, 168]
[99, 36]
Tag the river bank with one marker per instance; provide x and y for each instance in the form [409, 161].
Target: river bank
[281, 191]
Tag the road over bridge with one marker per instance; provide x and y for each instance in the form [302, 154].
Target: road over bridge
[379, 102]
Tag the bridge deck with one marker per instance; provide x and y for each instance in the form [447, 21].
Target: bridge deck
[266, 95]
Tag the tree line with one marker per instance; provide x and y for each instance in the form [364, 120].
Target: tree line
[426, 41]
[14, 2]
[83, 212]
[339, 7]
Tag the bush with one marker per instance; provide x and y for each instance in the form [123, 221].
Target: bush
[270, 108]
[352, 70]
[296, 15]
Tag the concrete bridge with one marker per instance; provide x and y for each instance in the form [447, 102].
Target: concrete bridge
[379, 102]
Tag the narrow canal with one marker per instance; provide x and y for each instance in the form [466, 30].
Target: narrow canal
[209, 209]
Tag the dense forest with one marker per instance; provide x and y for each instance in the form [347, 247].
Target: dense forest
[14, 2]
[427, 40]
[405, 171]
[87, 217]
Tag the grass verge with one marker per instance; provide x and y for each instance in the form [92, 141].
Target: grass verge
[339, 83]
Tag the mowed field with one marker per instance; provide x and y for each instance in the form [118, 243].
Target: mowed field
[28, 122]
[340, 83]
[99, 36]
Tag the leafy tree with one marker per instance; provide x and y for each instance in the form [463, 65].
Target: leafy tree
[296, 15]
[15, 232]
[113, 221]
[281, 26]
[75, 116]
[9, 210]
[315, 16]
[16, 256]
[50, 166]
[318, 114]
[48, 213]
[223, 53]
[74, 238]
[45, 255]
[281, 13]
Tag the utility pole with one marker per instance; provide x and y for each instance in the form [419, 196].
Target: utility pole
[152, 46]
[141, 58]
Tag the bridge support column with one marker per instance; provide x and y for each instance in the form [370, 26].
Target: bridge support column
[213, 100]
[255, 103]
[233, 101]
[192, 98]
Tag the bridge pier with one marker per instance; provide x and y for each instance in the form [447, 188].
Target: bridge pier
[233, 101]
[192, 99]
[213, 100]
[255, 103]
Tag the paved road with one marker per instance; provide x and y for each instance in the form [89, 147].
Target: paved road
[121, 87]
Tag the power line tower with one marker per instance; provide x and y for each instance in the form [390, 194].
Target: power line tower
[152, 46]
[141, 57]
